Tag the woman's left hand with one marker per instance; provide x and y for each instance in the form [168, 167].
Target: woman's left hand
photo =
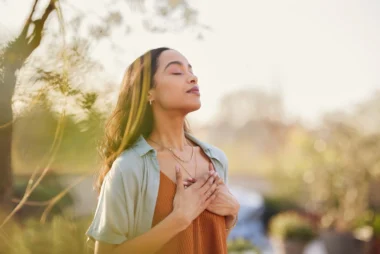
[225, 204]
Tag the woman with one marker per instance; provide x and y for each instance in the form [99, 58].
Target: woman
[161, 190]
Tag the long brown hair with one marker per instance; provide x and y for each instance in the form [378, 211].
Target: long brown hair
[131, 117]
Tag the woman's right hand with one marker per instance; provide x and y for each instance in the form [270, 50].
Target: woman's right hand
[190, 202]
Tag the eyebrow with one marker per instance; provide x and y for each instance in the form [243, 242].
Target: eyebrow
[178, 63]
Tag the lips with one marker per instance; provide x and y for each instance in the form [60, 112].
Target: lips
[194, 89]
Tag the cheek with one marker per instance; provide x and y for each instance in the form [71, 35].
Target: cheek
[170, 90]
[171, 94]
[171, 98]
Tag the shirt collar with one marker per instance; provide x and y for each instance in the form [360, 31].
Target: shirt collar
[142, 147]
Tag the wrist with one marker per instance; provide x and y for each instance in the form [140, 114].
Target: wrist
[180, 220]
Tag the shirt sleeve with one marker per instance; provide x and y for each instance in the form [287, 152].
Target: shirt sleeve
[110, 223]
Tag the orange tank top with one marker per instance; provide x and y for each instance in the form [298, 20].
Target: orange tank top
[206, 235]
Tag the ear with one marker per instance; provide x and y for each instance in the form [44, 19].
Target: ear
[150, 95]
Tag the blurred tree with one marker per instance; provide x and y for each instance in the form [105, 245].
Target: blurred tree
[365, 116]
[16, 53]
[243, 112]
[344, 162]
[250, 123]
[246, 105]
[327, 167]
[13, 57]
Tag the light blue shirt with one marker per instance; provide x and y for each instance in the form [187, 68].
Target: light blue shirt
[129, 192]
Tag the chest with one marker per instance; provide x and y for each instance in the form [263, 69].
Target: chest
[194, 165]
[149, 183]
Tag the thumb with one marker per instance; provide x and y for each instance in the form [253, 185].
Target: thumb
[178, 174]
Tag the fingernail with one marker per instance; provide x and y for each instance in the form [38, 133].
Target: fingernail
[176, 168]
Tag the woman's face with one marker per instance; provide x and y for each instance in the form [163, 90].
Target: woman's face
[176, 86]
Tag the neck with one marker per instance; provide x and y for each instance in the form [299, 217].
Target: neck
[168, 131]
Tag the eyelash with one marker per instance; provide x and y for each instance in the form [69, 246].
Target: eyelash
[177, 73]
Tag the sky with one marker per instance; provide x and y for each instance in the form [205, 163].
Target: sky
[322, 55]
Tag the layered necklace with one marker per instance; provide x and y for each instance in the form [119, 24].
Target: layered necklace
[179, 159]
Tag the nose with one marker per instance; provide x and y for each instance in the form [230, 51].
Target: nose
[193, 79]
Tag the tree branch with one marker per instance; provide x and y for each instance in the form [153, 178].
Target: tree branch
[35, 38]
[24, 31]
[23, 46]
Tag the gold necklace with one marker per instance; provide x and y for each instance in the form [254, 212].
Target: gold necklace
[195, 170]
[171, 150]
[178, 159]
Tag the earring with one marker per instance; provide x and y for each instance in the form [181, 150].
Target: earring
[150, 102]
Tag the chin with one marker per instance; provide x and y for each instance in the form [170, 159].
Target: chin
[193, 107]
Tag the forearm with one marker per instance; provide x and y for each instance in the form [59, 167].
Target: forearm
[154, 239]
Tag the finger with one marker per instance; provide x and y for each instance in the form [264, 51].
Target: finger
[203, 180]
[208, 198]
[212, 169]
[218, 179]
[208, 185]
[212, 189]
[187, 183]
[208, 201]
[180, 186]
[190, 179]
[211, 166]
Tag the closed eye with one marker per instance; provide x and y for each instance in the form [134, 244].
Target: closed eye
[177, 73]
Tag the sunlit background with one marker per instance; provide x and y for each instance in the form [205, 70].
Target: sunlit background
[290, 91]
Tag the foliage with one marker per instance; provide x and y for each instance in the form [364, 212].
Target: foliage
[326, 168]
[77, 152]
[344, 164]
[62, 86]
[241, 245]
[65, 235]
[376, 225]
[371, 220]
[291, 226]
[60, 235]
[275, 205]
[46, 190]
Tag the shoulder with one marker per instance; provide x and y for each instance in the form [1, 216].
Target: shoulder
[128, 159]
[219, 154]
[214, 151]
[127, 165]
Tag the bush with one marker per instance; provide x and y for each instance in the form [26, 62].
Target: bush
[275, 205]
[369, 220]
[291, 226]
[58, 236]
[241, 245]
[376, 225]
